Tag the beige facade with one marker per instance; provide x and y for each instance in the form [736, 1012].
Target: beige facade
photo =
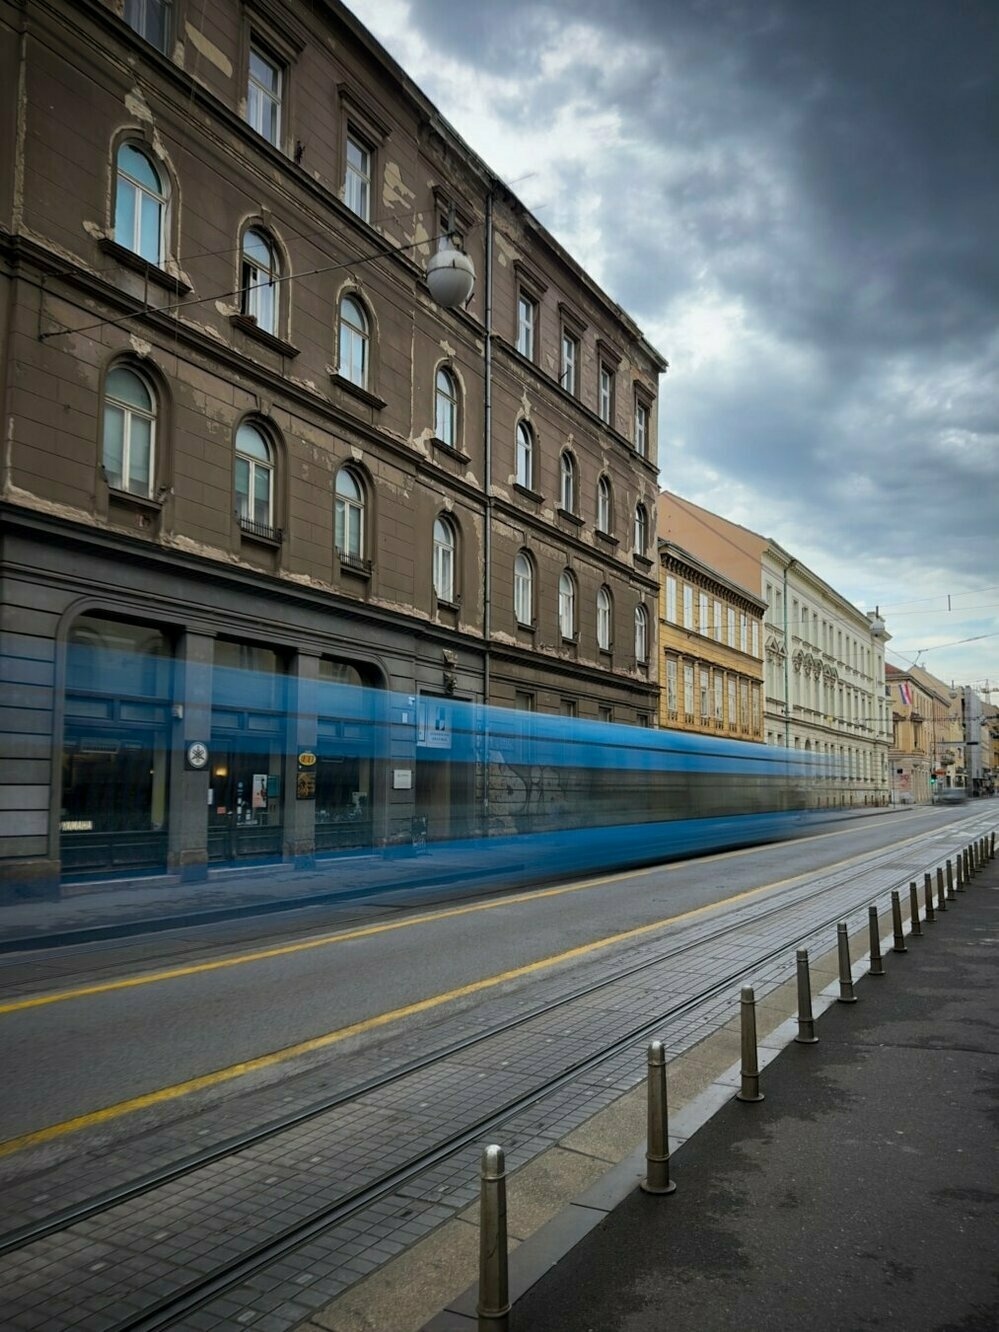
[234, 415]
[710, 640]
[824, 685]
[927, 752]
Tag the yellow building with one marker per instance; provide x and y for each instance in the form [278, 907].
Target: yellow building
[711, 649]
[927, 753]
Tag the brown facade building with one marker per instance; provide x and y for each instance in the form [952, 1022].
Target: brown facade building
[711, 649]
[248, 458]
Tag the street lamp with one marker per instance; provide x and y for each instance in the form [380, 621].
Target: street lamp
[450, 276]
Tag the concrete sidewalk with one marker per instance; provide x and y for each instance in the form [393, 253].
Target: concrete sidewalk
[863, 1192]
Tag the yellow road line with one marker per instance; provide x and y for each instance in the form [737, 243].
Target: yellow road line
[383, 927]
[219, 1076]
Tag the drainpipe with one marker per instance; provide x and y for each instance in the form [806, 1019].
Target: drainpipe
[787, 665]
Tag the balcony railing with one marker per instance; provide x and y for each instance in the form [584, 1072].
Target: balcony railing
[353, 563]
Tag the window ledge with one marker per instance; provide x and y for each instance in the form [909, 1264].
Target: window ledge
[267, 536]
[528, 493]
[570, 640]
[606, 538]
[354, 564]
[449, 449]
[443, 603]
[570, 517]
[252, 329]
[642, 561]
[129, 259]
[147, 503]
[356, 391]
[531, 628]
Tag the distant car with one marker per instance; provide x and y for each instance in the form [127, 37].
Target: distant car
[954, 795]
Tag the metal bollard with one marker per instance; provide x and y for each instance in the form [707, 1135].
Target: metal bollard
[971, 862]
[750, 1089]
[992, 850]
[941, 899]
[931, 915]
[916, 925]
[493, 1307]
[846, 995]
[806, 1022]
[877, 961]
[657, 1178]
[898, 944]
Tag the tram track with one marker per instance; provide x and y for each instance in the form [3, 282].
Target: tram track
[164, 1312]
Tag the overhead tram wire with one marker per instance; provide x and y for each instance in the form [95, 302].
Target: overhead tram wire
[174, 306]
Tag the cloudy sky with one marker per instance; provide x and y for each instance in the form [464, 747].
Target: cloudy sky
[799, 204]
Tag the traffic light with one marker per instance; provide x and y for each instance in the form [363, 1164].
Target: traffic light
[933, 779]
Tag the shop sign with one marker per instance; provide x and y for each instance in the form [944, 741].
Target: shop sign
[305, 788]
[307, 759]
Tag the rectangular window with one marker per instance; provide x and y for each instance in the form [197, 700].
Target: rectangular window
[522, 701]
[263, 96]
[731, 627]
[671, 598]
[756, 709]
[688, 606]
[605, 395]
[567, 707]
[702, 613]
[605, 713]
[688, 691]
[357, 178]
[719, 697]
[671, 700]
[743, 632]
[150, 19]
[731, 703]
[641, 429]
[743, 704]
[756, 638]
[570, 363]
[716, 627]
[642, 719]
[703, 694]
[527, 321]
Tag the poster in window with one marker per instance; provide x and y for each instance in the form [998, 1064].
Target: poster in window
[259, 789]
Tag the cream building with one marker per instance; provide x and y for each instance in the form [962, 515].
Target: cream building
[824, 666]
[927, 751]
[710, 649]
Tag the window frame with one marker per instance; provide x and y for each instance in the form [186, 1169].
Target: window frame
[130, 412]
[569, 365]
[136, 14]
[641, 534]
[641, 427]
[526, 340]
[605, 618]
[262, 50]
[449, 395]
[250, 288]
[445, 559]
[359, 336]
[247, 514]
[641, 635]
[567, 599]
[344, 507]
[523, 590]
[141, 191]
[524, 454]
[605, 505]
[568, 482]
[605, 393]
[353, 138]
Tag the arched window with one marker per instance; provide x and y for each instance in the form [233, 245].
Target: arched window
[641, 529]
[603, 505]
[641, 634]
[259, 272]
[604, 619]
[446, 408]
[567, 604]
[354, 342]
[129, 432]
[254, 477]
[444, 548]
[567, 471]
[349, 518]
[139, 205]
[525, 456]
[523, 588]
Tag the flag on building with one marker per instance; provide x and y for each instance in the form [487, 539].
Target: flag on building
[905, 689]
